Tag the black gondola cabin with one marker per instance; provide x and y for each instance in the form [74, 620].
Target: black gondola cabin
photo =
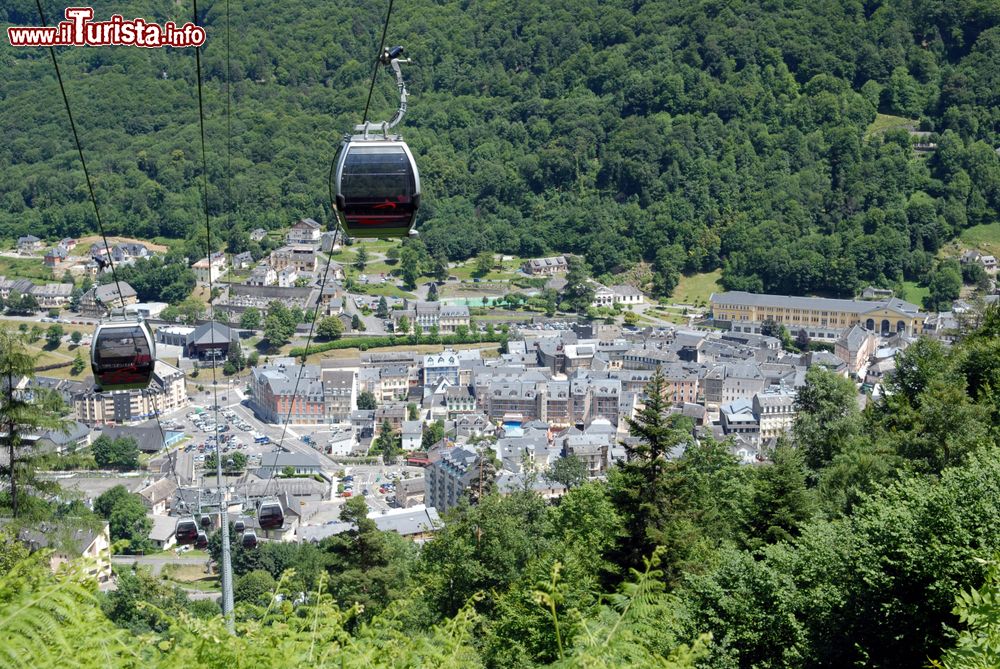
[122, 355]
[377, 187]
[270, 515]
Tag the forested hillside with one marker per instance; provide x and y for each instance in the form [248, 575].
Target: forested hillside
[689, 134]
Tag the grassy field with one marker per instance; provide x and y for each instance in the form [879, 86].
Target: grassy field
[501, 271]
[985, 238]
[914, 293]
[190, 576]
[25, 268]
[387, 289]
[885, 122]
[697, 288]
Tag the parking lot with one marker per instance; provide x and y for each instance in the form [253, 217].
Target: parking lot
[241, 432]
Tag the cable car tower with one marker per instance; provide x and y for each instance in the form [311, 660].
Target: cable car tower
[376, 181]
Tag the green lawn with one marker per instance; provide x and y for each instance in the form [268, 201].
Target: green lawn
[985, 238]
[503, 271]
[697, 288]
[914, 293]
[885, 122]
[25, 268]
[387, 289]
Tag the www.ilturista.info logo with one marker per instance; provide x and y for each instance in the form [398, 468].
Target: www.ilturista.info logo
[79, 30]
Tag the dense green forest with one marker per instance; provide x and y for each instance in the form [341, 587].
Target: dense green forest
[689, 134]
[869, 539]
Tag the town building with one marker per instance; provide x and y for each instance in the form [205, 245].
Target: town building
[819, 317]
[262, 275]
[545, 266]
[450, 476]
[446, 318]
[91, 546]
[28, 244]
[300, 257]
[166, 392]
[775, 412]
[304, 231]
[52, 295]
[100, 301]
[737, 418]
[274, 398]
[443, 365]
[55, 256]
[855, 347]
[339, 395]
[210, 269]
[210, 342]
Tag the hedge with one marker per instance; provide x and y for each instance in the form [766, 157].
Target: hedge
[365, 343]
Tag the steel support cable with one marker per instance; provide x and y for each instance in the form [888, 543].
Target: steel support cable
[227, 577]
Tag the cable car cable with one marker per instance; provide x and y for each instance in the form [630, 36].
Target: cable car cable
[97, 209]
[381, 46]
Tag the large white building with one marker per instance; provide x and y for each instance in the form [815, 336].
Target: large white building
[165, 393]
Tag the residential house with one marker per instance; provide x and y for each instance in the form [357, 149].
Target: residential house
[304, 231]
[52, 295]
[92, 546]
[988, 262]
[157, 496]
[162, 531]
[258, 234]
[101, 300]
[242, 260]
[262, 275]
[412, 432]
[67, 440]
[55, 256]
[28, 244]
[302, 258]
[545, 266]
[209, 269]
[287, 277]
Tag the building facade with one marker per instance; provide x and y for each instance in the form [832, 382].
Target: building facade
[166, 392]
[819, 317]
